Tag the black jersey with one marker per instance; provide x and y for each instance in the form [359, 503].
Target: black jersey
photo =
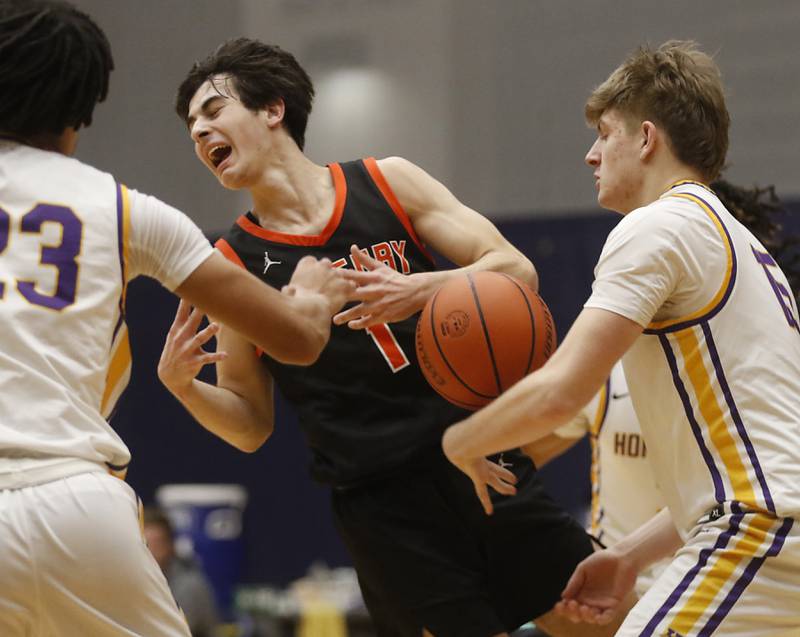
[364, 405]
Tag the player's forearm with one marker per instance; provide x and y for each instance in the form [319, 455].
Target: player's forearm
[495, 261]
[656, 539]
[530, 410]
[548, 448]
[508, 261]
[226, 414]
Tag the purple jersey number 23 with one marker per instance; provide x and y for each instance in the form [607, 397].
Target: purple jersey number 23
[62, 256]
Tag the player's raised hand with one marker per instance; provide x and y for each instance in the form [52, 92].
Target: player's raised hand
[183, 355]
[597, 588]
[312, 276]
[384, 295]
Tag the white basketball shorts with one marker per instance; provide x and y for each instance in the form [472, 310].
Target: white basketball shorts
[737, 576]
[73, 562]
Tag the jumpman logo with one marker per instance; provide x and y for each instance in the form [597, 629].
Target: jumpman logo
[503, 463]
[268, 262]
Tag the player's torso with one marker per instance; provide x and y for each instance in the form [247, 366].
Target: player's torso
[364, 405]
[721, 385]
[60, 288]
[624, 491]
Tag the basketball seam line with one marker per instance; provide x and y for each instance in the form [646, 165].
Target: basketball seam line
[442, 354]
[533, 323]
[485, 333]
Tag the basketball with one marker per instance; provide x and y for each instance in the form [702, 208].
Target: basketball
[479, 334]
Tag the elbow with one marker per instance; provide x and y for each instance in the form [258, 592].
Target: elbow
[254, 440]
[529, 274]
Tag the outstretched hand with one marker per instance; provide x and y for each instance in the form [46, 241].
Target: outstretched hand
[183, 355]
[597, 588]
[384, 294]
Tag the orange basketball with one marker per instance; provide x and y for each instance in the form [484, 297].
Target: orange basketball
[479, 334]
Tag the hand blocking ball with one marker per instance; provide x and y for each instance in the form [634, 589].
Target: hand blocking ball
[479, 334]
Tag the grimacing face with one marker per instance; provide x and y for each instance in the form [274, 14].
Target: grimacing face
[615, 158]
[229, 139]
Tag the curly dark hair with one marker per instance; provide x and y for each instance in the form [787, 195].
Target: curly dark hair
[261, 74]
[55, 64]
[759, 209]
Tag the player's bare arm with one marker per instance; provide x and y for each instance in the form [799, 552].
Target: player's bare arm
[239, 409]
[600, 583]
[441, 221]
[292, 326]
[548, 448]
[547, 398]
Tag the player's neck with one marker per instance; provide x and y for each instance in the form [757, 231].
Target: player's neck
[63, 143]
[294, 195]
[659, 180]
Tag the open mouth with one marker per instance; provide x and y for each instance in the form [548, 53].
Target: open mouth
[218, 154]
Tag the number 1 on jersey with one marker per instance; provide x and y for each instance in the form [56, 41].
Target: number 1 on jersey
[388, 346]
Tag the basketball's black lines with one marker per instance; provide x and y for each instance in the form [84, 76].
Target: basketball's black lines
[485, 333]
[441, 352]
[533, 322]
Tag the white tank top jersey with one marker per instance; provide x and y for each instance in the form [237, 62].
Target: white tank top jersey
[715, 377]
[624, 491]
[71, 238]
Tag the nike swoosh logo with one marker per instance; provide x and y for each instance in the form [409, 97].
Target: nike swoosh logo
[618, 396]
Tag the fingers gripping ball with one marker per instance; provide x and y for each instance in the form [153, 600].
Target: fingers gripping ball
[479, 334]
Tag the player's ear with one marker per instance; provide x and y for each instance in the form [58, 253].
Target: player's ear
[649, 133]
[275, 112]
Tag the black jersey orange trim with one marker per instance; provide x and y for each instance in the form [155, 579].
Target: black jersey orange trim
[388, 194]
[228, 252]
[340, 186]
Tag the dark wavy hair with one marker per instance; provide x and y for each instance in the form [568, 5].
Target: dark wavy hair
[261, 74]
[55, 64]
[760, 210]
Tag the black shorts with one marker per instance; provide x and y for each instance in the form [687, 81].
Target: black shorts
[428, 557]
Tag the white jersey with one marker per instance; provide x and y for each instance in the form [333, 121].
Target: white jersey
[715, 378]
[71, 238]
[624, 491]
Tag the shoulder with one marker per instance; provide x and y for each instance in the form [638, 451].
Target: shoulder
[671, 219]
[402, 175]
[396, 166]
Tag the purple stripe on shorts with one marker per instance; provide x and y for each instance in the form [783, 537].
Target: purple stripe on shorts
[749, 573]
[737, 419]
[719, 489]
[702, 560]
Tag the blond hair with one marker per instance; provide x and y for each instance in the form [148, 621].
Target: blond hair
[679, 88]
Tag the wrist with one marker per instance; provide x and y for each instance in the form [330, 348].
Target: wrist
[181, 390]
[631, 554]
[425, 285]
[454, 443]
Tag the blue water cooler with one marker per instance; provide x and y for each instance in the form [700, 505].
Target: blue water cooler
[207, 520]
